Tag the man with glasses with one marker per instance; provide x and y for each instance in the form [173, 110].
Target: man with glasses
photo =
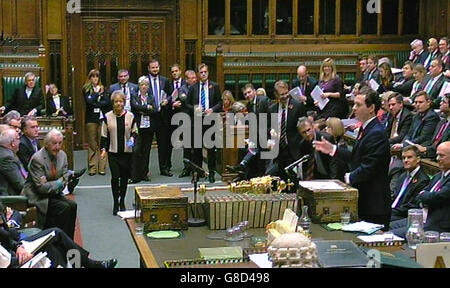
[12, 173]
[12, 118]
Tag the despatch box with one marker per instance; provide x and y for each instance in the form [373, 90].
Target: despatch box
[162, 208]
[327, 199]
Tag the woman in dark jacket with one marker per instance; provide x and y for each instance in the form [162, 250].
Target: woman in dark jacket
[96, 105]
[332, 88]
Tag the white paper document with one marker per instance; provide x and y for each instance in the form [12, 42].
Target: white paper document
[33, 246]
[126, 214]
[348, 122]
[321, 185]
[316, 94]
[378, 238]
[296, 93]
[362, 226]
[262, 260]
[39, 261]
[374, 85]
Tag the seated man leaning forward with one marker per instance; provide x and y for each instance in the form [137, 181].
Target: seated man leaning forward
[48, 175]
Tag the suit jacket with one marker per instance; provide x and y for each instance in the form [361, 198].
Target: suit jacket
[139, 108]
[409, 199]
[375, 75]
[133, 88]
[436, 89]
[164, 115]
[403, 126]
[26, 150]
[64, 103]
[422, 127]
[421, 58]
[39, 190]
[322, 168]
[369, 164]
[295, 111]
[310, 84]
[215, 98]
[11, 178]
[22, 104]
[438, 204]
[262, 105]
[429, 144]
[405, 87]
[95, 103]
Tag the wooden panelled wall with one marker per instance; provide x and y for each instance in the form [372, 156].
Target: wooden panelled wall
[175, 30]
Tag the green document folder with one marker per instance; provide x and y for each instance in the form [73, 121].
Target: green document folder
[221, 252]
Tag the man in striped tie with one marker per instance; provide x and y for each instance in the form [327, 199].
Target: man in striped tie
[434, 199]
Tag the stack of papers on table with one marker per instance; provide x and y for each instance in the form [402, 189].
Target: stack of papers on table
[379, 238]
[362, 226]
[126, 214]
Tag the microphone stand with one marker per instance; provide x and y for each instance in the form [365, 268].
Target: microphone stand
[195, 222]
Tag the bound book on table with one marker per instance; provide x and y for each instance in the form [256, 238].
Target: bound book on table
[340, 253]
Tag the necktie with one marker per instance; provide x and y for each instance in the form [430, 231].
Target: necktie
[124, 89]
[156, 93]
[283, 143]
[394, 127]
[402, 191]
[360, 133]
[203, 97]
[430, 85]
[53, 169]
[177, 84]
[310, 169]
[34, 143]
[23, 172]
[438, 138]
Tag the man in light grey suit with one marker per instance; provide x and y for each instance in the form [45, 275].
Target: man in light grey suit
[12, 174]
[48, 175]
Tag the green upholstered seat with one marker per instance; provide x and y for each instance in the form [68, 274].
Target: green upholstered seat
[11, 83]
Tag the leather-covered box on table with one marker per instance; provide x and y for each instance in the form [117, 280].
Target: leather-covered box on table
[327, 199]
[162, 208]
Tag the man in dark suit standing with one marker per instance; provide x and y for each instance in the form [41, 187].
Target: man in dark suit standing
[27, 99]
[435, 198]
[399, 119]
[204, 98]
[369, 160]
[191, 79]
[410, 183]
[288, 112]
[306, 84]
[442, 131]
[12, 173]
[126, 87]
[160, 92]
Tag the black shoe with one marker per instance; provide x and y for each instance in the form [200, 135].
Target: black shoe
[110, 263]
[79, 173]
[72, 184]
[131, 181]
[92, 173]
[166, 173]
[184, 173]
[211, 177]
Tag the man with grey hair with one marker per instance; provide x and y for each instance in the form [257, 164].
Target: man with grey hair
[48, 175]
[12, 173]
[27, 99]
[12, 118]
[418, 54]
[433, 49]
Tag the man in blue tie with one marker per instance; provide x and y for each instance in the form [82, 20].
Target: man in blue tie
[410, 183]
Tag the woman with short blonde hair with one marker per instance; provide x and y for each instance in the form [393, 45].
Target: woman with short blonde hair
[332, 87]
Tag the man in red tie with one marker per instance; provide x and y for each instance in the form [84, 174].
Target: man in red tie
[434, 199]
[48, 175]
[12, 174]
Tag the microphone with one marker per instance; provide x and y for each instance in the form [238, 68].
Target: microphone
[195, 166]
[302, 159]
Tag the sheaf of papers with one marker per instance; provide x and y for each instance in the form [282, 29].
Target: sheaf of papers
[316, 95]
[296, 93]
[126, 214]
[291, 218]
[374, 85]
[39, 261]
[378, 238]
[32, 246]
[348, 122]
[409, 142]
[396, 70]
[362, 226]
[321, 185]
[262, 260]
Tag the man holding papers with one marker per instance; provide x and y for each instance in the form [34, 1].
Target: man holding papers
[306, 84]
[369, 160]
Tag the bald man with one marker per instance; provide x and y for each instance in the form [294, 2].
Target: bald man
[435, 198]
[306, 84]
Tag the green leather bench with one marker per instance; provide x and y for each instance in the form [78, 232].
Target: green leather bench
[10, 84]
